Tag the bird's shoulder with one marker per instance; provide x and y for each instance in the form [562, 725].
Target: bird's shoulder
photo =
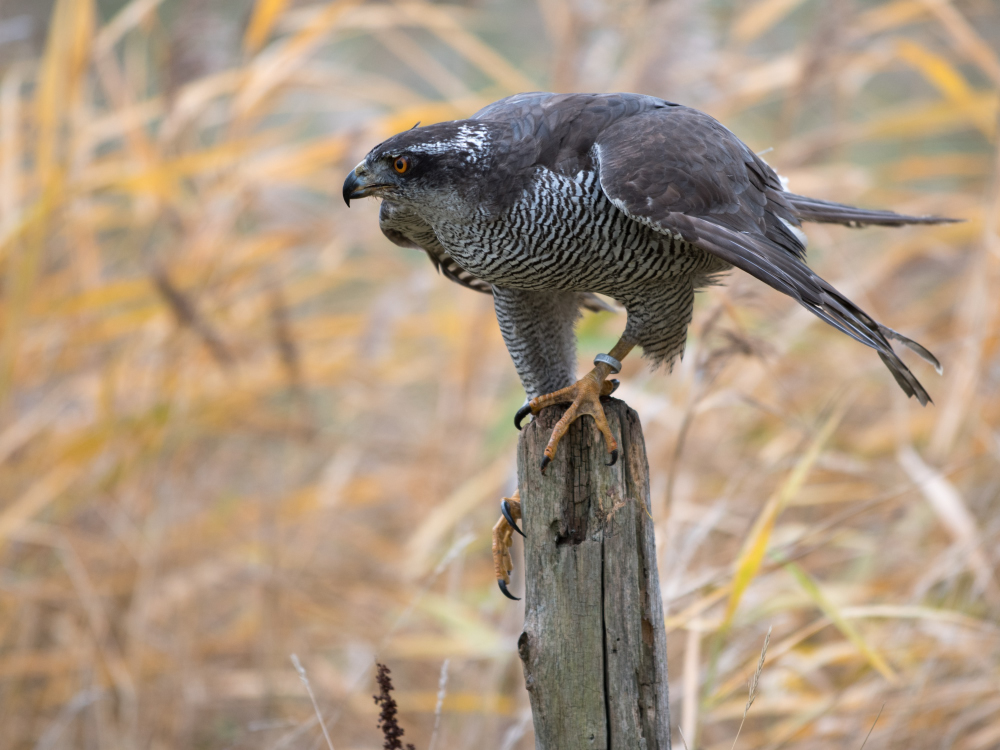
[684, 161]
[652, 154]
[558, 131]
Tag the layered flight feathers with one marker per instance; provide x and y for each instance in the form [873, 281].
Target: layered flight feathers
[683, 174]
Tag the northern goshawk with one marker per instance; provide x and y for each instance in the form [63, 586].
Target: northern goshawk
[545, 199]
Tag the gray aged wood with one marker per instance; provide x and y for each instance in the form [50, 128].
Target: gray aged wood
[594, 648]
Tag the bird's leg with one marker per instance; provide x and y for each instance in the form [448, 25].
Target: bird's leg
[503, 537]
[584, 397]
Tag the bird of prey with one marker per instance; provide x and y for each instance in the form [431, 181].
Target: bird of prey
[545, 199]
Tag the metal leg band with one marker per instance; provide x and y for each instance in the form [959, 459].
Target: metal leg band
[614, 364]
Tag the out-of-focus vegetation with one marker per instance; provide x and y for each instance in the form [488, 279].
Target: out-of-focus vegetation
[236, 423]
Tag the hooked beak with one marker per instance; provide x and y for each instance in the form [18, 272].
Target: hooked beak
[356, 186]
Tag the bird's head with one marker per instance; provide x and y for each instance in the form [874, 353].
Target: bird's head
[430, 167]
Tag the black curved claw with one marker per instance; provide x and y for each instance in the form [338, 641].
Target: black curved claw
[521, 414]
[545, 462]
[503, 588]
[505, 509]
[614, 457]
[614, 386]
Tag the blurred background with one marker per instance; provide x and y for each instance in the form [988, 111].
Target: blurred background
[237, 424]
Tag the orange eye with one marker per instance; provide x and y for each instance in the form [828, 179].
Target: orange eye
[401, 164]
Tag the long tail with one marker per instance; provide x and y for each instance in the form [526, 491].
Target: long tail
[776, 267]
[827, 212]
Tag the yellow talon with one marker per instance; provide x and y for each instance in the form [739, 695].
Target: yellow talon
[503, 538]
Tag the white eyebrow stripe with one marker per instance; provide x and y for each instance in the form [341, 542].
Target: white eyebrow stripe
[470, 139]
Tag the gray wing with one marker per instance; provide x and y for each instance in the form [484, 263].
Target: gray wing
[403, 227]
[682, 173]
[558, 131]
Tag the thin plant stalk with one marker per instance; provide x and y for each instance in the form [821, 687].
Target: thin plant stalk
[752, 685]
[442, 689]
[872, 728]
[305, 681]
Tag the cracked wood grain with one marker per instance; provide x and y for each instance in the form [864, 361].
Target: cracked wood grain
[594, 646]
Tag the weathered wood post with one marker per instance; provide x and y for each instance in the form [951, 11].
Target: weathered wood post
[594, 646]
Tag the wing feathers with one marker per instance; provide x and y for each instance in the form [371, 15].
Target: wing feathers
[682, 173]
[594, 303]
[786, 273]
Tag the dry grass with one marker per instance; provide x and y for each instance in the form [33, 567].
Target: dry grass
[237, 424]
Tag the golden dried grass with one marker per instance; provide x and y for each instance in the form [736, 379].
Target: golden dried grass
[238, 425]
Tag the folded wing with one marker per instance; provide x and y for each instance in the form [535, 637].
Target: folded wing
[682, 173]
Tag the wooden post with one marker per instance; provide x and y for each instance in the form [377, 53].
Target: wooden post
[594, 647]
